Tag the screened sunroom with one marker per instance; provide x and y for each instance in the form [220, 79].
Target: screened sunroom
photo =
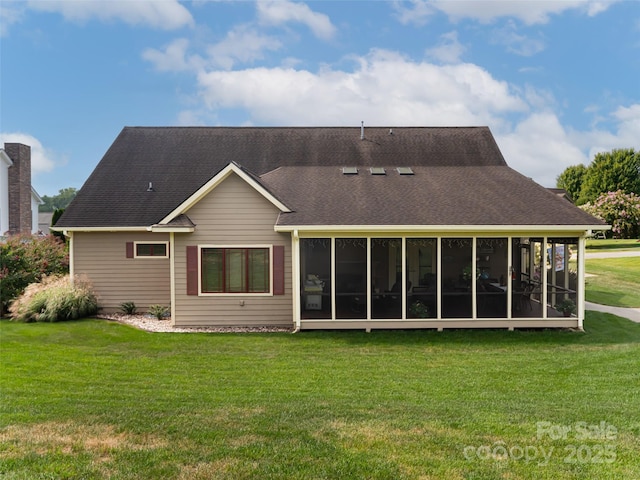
[439, 281]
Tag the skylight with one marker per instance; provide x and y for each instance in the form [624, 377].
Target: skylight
[405, 171]
[378, 171]
[349, 170]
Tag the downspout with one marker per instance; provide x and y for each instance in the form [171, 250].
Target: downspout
[295, 281]
[72, 268]
[582, 245]
[172, 276]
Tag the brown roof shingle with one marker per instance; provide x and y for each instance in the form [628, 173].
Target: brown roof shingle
[461, 176]
[434, 195]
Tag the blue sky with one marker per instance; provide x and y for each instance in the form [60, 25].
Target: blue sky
[556, 81]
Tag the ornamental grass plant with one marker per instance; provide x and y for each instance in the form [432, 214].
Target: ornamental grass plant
[55, 299]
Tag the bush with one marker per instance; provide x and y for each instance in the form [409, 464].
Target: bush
[129, 308]
[25, 259]
[158, 311]
[620, 210]
[55, 299]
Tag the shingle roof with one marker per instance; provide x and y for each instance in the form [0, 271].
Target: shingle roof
[177, 161]
[440, 195]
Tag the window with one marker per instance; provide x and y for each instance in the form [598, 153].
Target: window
[159, 249]
[235, 270]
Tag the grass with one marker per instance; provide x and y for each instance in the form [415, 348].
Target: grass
[96, 399]
[606, 245]
[615, 281]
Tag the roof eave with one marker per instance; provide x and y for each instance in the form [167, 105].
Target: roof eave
[587, 229]
[170, 229]
[99, 229]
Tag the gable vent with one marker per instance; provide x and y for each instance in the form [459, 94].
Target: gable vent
[349, 170]
[378, 171]
[405, 171]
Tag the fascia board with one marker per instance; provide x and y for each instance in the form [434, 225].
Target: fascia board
[164, 229]
[5, 158]
[100, 229]
[441, 228]
[36, 197]
[217, 180]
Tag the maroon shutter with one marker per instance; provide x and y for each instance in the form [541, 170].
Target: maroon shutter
[129, 249]
[192, 270]
[278, 270]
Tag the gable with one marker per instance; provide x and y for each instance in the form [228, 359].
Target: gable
[231, 170]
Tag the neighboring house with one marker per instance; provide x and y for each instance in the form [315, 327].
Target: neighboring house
[18, 200]
[327, 228]
[562, 193]
[44, 222]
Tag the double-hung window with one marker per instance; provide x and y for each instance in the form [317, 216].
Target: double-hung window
[235, 270]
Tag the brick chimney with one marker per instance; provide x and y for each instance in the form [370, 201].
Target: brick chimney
[19, 187]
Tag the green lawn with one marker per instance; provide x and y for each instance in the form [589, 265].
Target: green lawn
[613, 281]
[96, 399]
[606, 245]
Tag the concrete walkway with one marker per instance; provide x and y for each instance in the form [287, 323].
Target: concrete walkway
[632, 314]
[630, 253]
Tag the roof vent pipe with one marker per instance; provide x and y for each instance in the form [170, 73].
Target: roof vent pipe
[150, 189]
[362, 130]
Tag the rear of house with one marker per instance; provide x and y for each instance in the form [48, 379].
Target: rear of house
[318, 228]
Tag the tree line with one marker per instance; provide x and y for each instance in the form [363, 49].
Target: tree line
[57, 202]
[609, 188]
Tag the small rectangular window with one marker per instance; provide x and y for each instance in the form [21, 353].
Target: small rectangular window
[159, 249]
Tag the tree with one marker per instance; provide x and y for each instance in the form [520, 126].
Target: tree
[571, 180]
[610, 172]
[57, 213]
[620, 210]
[60, 201]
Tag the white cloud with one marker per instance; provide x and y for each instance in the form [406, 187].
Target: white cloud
[625, 132]
[279, 12]
[173, 58]
[10, 13]
[162, 14]
[517, 43]
[448, 50]
[385, 89]
[417, 12]
[41, 158]
[528, 11]
[539, 147]
[241, 44]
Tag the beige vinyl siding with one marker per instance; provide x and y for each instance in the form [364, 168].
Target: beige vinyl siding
[117, 279]
[232, 214]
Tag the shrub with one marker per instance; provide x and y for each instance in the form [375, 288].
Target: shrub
[54, 299]
[620, 210]
[25, 259]
[128, 308]
[158, 311]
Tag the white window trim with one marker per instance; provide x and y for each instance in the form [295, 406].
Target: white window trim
[148, 257]
[239, 294]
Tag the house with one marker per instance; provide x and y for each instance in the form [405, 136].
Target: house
[327, 228]
[18, 200]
